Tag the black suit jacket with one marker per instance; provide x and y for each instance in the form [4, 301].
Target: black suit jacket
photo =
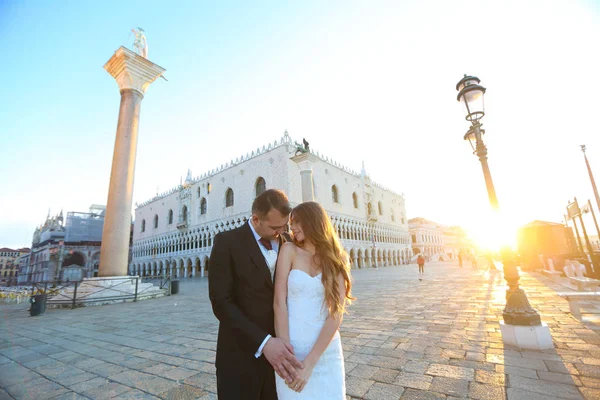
[241, 293]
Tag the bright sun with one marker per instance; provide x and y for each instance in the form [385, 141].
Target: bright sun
[493, 232]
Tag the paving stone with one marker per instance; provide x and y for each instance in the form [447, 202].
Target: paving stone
[13, 373]
[473, 364]
[384, 391]
[417, 367]
[363, 371]
[70, 396]
[136, 394]
[385, 375]
[517, 371]
[357, 387]
[561, 367]
[450, 386]
[71, 378]
[41, 389]
[203, 381]
[450, 371]
[520, 394]
[482, 391]
[544, 387]
[182, 392]
[415, 381]
[492, 378]
[590, 382]
[415, 394]
[87, 385]
[106, 369]
[590, 393]
[472, 356]
[559, 378]
[592, 371]
[106, 391]
[4, 395]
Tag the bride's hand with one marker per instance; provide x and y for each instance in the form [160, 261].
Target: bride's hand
[305, 373]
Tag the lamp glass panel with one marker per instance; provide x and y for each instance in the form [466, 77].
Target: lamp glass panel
[472, 140]
[474, 98]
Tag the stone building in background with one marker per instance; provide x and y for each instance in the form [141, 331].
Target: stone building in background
[174, 231]
[436, 241]
[65, 249]
[9, 264]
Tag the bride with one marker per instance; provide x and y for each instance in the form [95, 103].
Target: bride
[312, 287]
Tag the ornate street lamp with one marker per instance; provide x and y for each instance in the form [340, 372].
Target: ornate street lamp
[517, 311]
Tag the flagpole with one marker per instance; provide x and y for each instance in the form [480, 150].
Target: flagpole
[594, 217]
[587, 163]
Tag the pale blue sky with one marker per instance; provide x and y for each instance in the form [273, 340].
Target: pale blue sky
[372, 81]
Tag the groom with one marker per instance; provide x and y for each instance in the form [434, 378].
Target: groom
[241, 275]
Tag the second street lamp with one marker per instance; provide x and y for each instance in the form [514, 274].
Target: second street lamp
[517, 311]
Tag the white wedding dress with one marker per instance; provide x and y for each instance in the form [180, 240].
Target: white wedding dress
[307, 313]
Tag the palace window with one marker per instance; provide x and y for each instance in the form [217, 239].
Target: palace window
[380, 206]
[334, 194]
[184, 214]
[143, 225]
[260, 186]
[203, 206]
[155, 221]
[355, 199]
[170, 217]
[208, 188]
[229, 198]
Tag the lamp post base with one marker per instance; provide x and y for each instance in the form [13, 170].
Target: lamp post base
[527, 337]
[518, 311]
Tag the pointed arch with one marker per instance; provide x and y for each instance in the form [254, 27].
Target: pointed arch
[203, 207]
[260, 186]
[229, 198]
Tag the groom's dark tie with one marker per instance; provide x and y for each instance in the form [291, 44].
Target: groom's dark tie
[266, 243]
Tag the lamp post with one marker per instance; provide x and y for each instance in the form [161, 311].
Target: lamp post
[517, 311]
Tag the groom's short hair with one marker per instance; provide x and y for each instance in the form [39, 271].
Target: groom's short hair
[272, 198]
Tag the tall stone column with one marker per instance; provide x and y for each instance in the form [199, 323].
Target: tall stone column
[133, 74]
[305, 161]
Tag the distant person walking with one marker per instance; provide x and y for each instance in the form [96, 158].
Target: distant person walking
[421, 262]
[473, 261]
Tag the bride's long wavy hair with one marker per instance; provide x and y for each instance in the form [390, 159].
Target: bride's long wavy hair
[330, 256]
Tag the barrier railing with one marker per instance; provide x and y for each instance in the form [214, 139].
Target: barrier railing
[66, 292]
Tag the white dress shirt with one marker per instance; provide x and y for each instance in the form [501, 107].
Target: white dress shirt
[270, 258]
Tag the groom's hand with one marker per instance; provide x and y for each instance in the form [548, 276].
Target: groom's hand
[280, 355]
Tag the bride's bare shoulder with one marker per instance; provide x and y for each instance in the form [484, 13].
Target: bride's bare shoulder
[289, 247]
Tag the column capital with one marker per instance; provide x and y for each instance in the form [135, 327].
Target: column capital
[132, 71]
[305, 160]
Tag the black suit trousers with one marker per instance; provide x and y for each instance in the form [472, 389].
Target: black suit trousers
[244, 384]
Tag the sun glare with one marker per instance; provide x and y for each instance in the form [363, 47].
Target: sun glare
[494, 232]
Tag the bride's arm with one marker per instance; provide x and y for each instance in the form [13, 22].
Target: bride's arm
[332, 324]
[284, 266]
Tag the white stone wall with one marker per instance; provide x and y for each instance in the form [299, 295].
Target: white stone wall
[183, 250]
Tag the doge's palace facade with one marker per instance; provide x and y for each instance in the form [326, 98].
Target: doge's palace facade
[174, 231]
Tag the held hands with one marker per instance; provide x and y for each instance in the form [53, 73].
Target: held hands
[305, 373]
[280, 355]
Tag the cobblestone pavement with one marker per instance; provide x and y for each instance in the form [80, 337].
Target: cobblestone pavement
[407, 337]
